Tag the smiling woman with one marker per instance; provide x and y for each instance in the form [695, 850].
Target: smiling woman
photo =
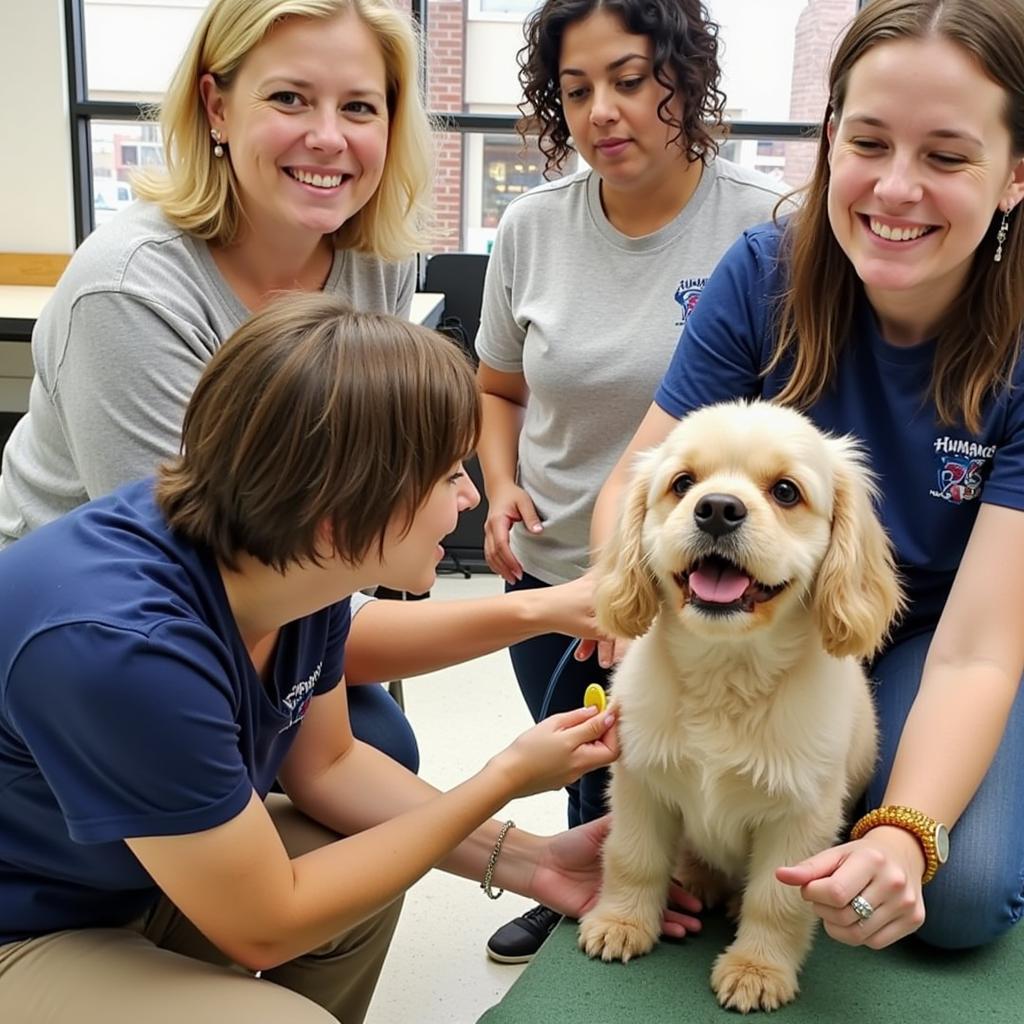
[297, 160]
[269, 95]
[890, 306]
[304, 121]
[920, 154]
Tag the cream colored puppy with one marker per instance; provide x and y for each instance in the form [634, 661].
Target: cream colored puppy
[750, 562]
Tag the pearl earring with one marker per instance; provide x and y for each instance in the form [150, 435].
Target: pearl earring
[218, 148]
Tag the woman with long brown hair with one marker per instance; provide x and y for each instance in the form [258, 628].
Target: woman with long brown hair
[891, 307]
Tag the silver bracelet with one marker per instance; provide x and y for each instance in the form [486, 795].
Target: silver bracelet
[491, 864]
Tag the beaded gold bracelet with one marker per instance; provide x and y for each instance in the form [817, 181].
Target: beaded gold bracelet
[932, 836]
[492, 863]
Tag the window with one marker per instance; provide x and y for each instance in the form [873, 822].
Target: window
[507, 169]
[121, 54]
[118, 148]
[503, 10]
[790, 162]
[132, 46]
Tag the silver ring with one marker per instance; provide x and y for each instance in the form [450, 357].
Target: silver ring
[861, 907]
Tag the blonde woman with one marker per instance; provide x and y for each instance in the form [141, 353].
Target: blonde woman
[270, 186]
[298, 159]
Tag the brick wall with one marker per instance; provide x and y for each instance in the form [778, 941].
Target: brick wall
[818, 29]
[446, 22]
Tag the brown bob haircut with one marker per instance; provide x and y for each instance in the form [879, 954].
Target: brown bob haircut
[313, 414]
[979, 340]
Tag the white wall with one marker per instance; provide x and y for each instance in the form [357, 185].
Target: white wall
[36, 212]
[758, 39]
[491, 69]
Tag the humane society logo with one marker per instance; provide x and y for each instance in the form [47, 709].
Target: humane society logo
[687, 295]
[961, 464]
[298, 697]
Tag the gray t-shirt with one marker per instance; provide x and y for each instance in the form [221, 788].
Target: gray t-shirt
[137, 314]
[591, 317]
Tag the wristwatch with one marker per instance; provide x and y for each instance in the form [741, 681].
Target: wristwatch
[931, 834]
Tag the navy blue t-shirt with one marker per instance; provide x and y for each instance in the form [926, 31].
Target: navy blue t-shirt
[129, 706]
[931, 476]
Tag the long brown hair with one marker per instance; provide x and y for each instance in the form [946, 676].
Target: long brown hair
[979, 340]
[309, 414]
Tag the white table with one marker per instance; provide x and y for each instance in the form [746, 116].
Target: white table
[20, 306]
[427, 308]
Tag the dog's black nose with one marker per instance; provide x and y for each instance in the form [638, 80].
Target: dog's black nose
[719, 514]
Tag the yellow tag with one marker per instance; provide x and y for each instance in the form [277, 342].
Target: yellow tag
[594, 697]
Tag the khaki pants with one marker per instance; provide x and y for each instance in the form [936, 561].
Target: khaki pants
[161, 970]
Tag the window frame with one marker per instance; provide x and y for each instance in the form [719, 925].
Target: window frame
[84, 110]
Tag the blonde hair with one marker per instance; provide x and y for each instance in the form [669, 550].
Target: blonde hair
[199, 193]
[980, 337]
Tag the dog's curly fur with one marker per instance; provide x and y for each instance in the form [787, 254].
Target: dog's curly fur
[746, 721]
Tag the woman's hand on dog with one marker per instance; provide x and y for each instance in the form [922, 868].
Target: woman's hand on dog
[508, 505]
[610, 650]
[885, 867]
[559, 750]
[567, 878]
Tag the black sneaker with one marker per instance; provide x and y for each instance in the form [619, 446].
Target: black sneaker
[517, 941]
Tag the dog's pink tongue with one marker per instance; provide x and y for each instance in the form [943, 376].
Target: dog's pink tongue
[718, 584]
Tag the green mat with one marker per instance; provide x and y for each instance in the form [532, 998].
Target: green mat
[905, 984]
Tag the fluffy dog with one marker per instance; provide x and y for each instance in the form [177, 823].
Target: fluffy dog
[750, 562]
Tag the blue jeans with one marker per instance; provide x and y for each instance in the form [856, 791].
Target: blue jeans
[377, 720]
[979, 894]
[534, 661]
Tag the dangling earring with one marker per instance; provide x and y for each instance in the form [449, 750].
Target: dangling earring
[1004, 228]
[218, 149]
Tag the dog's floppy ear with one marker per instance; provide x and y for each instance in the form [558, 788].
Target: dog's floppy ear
[857, 593]
[627, 591]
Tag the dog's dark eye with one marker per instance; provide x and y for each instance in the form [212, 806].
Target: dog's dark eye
[682, 484]
[785, 492]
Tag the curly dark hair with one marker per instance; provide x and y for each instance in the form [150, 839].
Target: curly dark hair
[684, 40]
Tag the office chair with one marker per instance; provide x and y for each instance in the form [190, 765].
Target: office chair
[460, 277]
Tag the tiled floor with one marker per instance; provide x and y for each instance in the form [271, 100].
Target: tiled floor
[437, 971]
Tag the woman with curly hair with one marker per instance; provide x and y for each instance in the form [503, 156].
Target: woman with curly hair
[591, 280]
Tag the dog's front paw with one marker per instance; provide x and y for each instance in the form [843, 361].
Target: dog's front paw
[614, 938]
[746, 983]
